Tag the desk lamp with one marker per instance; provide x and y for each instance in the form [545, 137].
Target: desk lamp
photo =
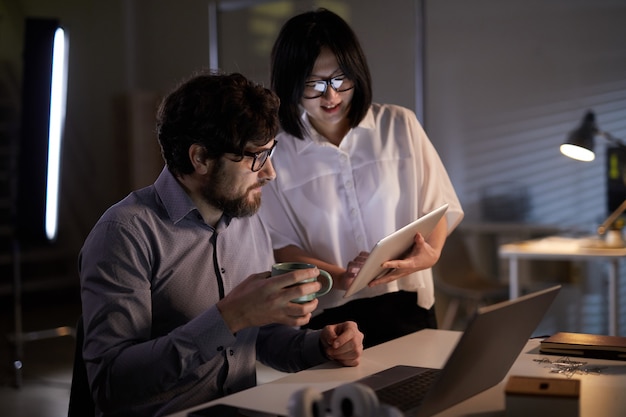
[579, 143]
[579, 146]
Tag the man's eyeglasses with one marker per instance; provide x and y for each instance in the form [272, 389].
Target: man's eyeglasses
[260, 158]
[317, 88]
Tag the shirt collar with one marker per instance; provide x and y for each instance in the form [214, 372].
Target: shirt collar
[177, 202]
[368, 122]
[173, 197]
[310, 135]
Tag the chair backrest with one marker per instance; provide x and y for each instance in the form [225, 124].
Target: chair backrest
[81, 401]
[456, 266]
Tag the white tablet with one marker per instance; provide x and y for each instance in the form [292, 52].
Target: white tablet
[392, 246]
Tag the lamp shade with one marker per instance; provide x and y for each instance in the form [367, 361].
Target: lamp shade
[579, 143]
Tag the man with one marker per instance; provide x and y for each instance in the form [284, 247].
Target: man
[176, 305]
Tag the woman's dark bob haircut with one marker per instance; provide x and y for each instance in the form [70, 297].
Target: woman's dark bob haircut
[293, 56]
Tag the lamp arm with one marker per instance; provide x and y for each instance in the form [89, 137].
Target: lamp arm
[609, 221]
[611, 138]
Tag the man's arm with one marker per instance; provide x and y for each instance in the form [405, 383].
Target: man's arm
[290, 350]
[127, 363]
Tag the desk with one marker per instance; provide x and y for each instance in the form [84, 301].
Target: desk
[568, 249]
[484, 239]
[601, 395]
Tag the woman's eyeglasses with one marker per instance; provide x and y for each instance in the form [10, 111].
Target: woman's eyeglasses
[317, 88]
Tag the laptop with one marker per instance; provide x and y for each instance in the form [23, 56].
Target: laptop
[392, 247]
[224, 410]
[491, 343]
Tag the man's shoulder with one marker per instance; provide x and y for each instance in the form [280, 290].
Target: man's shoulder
[142, 203]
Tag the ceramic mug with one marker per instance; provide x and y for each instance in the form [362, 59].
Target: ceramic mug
[324, 278]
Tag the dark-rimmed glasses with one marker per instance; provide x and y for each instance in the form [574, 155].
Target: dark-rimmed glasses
[317, 88]
[260, 158]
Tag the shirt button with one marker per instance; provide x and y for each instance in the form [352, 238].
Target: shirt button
[222, 270]
[231, 352]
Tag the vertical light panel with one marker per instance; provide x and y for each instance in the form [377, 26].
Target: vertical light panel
[55, 135]
[43, 101]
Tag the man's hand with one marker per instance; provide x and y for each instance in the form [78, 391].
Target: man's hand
[343, 343]
[262, 299]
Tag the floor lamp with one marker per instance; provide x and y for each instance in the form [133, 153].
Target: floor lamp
[39, 158]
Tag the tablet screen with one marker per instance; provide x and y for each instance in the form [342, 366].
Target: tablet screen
[392, 246]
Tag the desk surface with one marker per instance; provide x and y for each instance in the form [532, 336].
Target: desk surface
[508, 228]
[566, 248]
[554, 247]
[601, 394]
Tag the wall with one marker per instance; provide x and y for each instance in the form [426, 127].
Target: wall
[246, 35]
[119, 50]
[504, 82]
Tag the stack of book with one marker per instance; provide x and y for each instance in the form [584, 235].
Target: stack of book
[585, 345]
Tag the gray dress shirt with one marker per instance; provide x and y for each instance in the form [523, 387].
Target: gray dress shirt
[151, 274]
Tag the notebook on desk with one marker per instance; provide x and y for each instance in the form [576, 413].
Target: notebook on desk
[489, 346]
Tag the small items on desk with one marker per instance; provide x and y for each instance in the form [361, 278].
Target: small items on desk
[614, 239]
[539, 397]
[585, 345]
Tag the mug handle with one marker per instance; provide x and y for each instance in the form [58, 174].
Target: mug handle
[327, 283]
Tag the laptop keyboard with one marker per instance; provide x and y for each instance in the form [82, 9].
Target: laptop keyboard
[408, 393]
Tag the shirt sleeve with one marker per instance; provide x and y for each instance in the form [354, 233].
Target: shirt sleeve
[289, 349]
[436, 187]
[125, 362]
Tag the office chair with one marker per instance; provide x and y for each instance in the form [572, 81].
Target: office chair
[81, 401]
[457, 277]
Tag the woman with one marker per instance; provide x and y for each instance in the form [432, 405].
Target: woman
[350, 172]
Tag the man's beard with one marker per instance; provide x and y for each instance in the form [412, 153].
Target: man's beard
[216, 193]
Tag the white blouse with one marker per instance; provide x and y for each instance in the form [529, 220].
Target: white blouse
[335, 202]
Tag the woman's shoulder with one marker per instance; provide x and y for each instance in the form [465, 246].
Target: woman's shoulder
[392, 114]
[286, 143]
[391, 110]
